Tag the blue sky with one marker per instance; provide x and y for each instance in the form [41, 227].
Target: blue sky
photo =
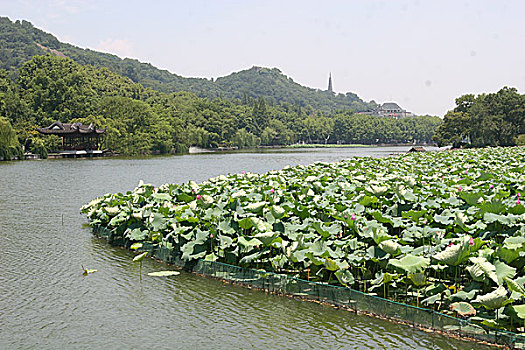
[421, 54]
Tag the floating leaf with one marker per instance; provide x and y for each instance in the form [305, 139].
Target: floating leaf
[163, 273]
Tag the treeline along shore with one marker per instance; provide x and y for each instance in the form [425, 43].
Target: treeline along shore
[140, 120]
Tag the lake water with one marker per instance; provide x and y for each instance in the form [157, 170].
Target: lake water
[46, 303]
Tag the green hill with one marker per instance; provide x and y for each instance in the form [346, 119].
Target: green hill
[20, 41]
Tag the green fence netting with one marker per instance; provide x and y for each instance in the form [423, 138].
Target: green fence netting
[339, 296]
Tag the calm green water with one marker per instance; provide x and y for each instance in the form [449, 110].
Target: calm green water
[46, 303]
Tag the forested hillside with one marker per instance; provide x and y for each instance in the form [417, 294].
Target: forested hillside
[20, 41]
[141, 120]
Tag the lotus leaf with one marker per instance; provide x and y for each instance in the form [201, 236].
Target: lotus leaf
[463, 309]
[503, 271]
[455, 254]
[345, 277]
[494, 299]
[163, 273]
[140, 257]
[411, 263]
[519, 310]
[481, 269]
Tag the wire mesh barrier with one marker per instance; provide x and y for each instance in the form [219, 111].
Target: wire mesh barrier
[343, 297]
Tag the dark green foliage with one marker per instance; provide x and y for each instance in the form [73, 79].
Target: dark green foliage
[9, 146]
[495, 119]
[265, 107]
[20, 41]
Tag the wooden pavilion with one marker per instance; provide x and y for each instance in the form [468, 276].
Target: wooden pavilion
[77, 139]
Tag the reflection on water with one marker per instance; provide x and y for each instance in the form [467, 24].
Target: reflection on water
[46, 303]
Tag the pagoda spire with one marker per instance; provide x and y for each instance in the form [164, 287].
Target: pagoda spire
[330, 87]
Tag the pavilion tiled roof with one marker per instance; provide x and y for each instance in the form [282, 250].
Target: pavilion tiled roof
[58, 128]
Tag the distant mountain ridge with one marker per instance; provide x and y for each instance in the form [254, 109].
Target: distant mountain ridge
[20, 41]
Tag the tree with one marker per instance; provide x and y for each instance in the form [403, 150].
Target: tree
[9, 146]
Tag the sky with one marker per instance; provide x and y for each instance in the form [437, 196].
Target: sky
[421, 54]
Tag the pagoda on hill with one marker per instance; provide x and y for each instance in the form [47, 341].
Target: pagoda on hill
[330, 87]
[77, 139]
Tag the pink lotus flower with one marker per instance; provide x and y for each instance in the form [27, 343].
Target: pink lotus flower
[491, 186]
[198, 197]
[460, 189]
[471, 242]
[272, 191]
[244, 172]
[353, 217]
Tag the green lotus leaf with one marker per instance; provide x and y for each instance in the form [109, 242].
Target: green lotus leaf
[136, 246]
[463, 295]
[140, 257]
[514, 286]
[495, 207]
[470, 198]
[492, 300]
[376, 190]
[481, 269]
[318, 248]
[260, 225]
[410, 263]
[418, 279]
[504, 271]
[455, 254]
[246, 223]
[345, 277]
[463, 309]
[138, 234]
[161, 197]
[331, 265]
[390, 246]
[504, 219]
[248, 243]
[278, 212]
[519, 310]
[266, 237]
[414, 215]
[368, 200]
[249, 258]
[255, 207]
[158, 221]
[112, 211]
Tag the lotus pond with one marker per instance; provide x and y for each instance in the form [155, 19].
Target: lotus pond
[442, 230]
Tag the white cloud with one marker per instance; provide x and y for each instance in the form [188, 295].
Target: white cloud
[119, 47]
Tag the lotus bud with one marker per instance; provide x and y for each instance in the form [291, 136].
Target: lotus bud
[353, 217]
[198, 197]
[471, 242]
